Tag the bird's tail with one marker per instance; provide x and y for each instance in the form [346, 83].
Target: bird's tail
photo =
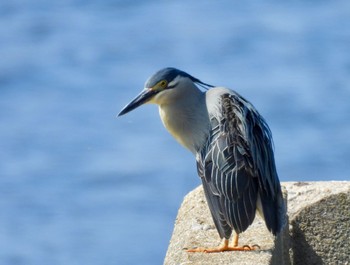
[274, 212]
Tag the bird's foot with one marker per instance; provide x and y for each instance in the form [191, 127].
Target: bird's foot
[222, 249]
[225, 247]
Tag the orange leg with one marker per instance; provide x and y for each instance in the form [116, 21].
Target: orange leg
[225, 247]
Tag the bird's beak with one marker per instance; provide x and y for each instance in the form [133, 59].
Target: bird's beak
[142, 98]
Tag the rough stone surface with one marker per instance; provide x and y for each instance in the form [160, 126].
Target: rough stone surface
[321, 232]
[194, 227]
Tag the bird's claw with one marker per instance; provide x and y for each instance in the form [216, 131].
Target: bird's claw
[253, 247]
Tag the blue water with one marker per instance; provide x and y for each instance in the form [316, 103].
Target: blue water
[78, 185]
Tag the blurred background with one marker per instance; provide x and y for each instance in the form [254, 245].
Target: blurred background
[79, 186]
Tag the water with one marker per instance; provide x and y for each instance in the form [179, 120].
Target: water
[79, 186]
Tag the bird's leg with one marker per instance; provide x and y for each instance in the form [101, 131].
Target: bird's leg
[235, 240]
[224, 246]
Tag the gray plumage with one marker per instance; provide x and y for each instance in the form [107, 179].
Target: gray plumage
[232, 144]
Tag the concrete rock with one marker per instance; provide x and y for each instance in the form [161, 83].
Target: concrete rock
[321, 232]
[309, 204]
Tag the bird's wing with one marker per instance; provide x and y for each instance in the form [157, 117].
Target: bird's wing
[237, 164]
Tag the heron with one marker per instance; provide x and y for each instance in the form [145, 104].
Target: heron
[233, 148]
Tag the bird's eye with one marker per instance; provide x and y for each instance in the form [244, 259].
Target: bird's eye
[163, 84]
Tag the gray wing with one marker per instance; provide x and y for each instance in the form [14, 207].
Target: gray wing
[237, 166]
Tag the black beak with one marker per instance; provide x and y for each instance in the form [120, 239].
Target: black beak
[142, 98]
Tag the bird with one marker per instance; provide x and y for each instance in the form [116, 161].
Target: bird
[233, 148]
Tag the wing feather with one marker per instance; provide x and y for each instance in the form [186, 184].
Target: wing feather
[237, 166]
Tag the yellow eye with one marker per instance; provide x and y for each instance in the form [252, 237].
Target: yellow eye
[163, 84]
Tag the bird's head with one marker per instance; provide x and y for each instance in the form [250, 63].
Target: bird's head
[164, 86]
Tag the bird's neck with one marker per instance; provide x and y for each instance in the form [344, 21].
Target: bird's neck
[187, 120]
